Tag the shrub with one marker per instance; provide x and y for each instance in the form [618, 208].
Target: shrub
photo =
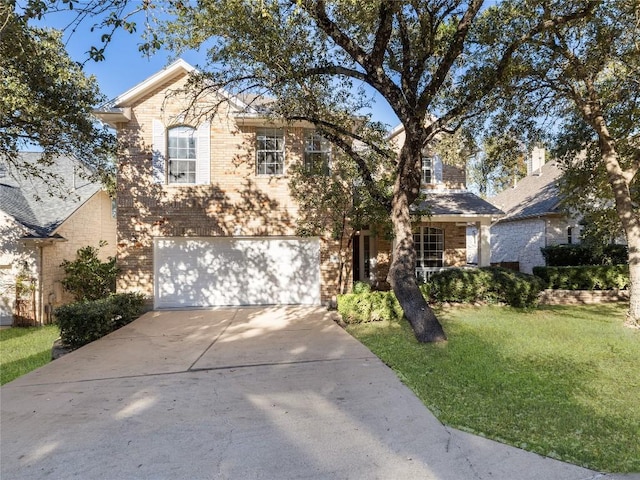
[83, 322]
[458, 285]
[516, 289]
[87, 277]
[584, 277]
[489, 284]
[361, 287]
[583, 254]
[369, 307]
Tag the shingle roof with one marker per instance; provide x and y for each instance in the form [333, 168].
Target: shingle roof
[533, 196]
[28, 201]
[456, 203]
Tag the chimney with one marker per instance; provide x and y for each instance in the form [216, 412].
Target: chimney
[536, 161]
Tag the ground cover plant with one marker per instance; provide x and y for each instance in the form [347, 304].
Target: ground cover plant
[561, 381]
[25, 349]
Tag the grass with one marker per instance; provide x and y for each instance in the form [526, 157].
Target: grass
[559, 381]
[25, 349]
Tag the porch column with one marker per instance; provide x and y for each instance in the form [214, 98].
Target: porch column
[484, 243]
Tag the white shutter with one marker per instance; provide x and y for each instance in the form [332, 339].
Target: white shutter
[203, 162]
[159, 152]
[437, 169]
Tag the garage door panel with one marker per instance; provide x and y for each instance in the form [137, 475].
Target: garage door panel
[226, 271]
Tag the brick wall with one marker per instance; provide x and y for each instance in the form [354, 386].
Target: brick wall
[90, 224]
[455, 250]
[237, 202]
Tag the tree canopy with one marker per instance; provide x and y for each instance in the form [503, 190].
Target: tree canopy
[440, 65]
[585, 77]
[46, 101]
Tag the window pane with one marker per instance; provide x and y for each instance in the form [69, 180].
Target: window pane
[270, 153]
[182, 151]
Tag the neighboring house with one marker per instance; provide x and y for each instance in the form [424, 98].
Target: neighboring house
[534, 218]
[38, 231]
[205, 216]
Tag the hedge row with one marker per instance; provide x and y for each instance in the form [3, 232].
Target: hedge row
[584, 278]
[582, 254]
[486, 284]
[455, 285]
[83, 322]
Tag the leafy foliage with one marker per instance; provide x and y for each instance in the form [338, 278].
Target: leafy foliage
[83, 322]
[498, 166]
[46, 103]
[369, 307]
[584, 254]
[89, 278]
[584, 277]
[579, 81]
[487, 284]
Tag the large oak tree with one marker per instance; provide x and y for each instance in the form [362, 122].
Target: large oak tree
[585, 76]
[312, 55]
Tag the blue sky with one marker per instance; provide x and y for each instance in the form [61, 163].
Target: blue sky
[125, 67]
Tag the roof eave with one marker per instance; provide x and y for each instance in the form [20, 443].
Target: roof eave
[114, 115]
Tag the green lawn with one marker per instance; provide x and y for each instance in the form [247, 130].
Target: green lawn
[560, 381]
[25, 349]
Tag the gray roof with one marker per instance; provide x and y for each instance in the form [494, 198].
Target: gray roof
[39, 205]
[456, 203]
[534, 196]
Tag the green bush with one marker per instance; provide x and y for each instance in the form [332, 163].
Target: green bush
[584, 277]
[583, 254]
[87, 277]
[369, 307]
[83, 322]
[361, 287]
[486, 284]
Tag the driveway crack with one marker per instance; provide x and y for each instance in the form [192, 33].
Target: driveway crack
[213, 342]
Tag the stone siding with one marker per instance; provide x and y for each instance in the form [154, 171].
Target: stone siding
[520, 242]
[582, 297]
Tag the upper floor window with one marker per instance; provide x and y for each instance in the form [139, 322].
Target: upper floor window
[182, 150]
[427, 170]
[317, 154]
[270, 152]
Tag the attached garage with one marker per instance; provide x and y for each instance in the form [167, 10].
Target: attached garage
[205, 272]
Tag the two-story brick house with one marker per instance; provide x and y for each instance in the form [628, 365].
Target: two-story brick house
[205, 216]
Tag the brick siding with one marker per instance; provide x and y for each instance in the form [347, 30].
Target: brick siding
[237, 202]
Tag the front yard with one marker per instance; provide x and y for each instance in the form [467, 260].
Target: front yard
[25, 349]
[560, 381]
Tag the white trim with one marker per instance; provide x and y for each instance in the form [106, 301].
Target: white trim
[177, 68]
[203, 155]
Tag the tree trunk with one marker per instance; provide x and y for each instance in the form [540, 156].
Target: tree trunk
[402, 276]
[633, 242]
[620, 181]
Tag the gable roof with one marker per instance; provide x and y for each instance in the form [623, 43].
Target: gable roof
[119, 108]
[27, 200]
[534, 196]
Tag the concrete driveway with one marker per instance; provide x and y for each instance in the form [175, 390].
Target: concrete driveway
[238, 393]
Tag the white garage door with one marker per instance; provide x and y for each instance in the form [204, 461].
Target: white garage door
[201, 272]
